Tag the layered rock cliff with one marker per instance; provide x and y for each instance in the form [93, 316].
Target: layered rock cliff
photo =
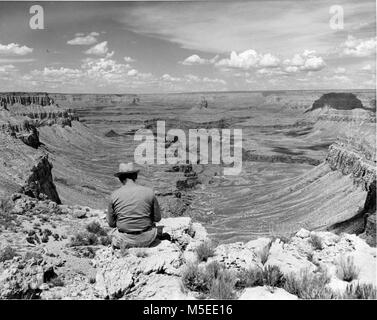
[22, 115]
[361, 167]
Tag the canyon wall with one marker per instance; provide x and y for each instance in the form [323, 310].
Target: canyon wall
[27, 168]
[362, 170]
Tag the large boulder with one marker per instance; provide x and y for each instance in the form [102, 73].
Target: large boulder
[118, 272]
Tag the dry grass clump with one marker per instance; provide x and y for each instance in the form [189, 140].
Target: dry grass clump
[264, 253]
[316, 242]
[346, 269]
[251, 277]
[194, 279]
[309, 285]
[270, 276]
[213, 281]
[204, 251]
[273, 277]
[7, 253]
[360, 291]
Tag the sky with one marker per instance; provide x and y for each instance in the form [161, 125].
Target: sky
[153, 47]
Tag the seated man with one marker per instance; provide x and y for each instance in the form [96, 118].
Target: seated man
[133, 211]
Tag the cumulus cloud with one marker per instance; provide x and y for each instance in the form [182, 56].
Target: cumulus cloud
[169, 78]
[359, 47]
[132, 72]
[129, 59]
[268, 60]
[14, 49]
[99, 49]
[249, 59]
[306, 61]
[196, 60]
[84, 40]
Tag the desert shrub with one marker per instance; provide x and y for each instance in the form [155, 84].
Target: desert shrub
[83, 239]
[7, 253]
[251, 277]
[204, 251]
[95, 227]
[213, 270]
[195, 279]
[308, 285]
[222, 287]
[264, 253]
[273, 277]
[316, 242]
[346, 269]
[360, 291]
[214, 280]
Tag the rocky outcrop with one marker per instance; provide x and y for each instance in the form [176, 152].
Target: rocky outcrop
[155, 273]
[39, 183]
[22, 278]
[149, 273]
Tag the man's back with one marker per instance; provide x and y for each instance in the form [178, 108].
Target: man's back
[133, 206]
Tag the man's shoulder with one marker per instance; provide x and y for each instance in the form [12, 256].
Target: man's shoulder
[116, 193]
[146, 190]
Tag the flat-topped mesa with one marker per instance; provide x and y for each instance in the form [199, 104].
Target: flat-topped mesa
[45, 116]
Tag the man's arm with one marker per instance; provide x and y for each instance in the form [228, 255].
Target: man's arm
[156, 214]
[111, 217]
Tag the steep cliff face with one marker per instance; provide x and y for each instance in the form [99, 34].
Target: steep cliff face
[363, 172]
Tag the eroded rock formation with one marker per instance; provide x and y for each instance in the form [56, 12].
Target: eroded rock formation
[39, 182]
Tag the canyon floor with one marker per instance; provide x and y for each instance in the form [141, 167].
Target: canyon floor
[304, 201]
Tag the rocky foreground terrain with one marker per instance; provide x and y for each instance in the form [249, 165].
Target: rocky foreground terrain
[51, 250]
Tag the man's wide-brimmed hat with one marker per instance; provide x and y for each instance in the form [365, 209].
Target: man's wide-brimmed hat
[126, 168]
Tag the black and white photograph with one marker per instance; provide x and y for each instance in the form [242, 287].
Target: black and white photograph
[195, 151]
